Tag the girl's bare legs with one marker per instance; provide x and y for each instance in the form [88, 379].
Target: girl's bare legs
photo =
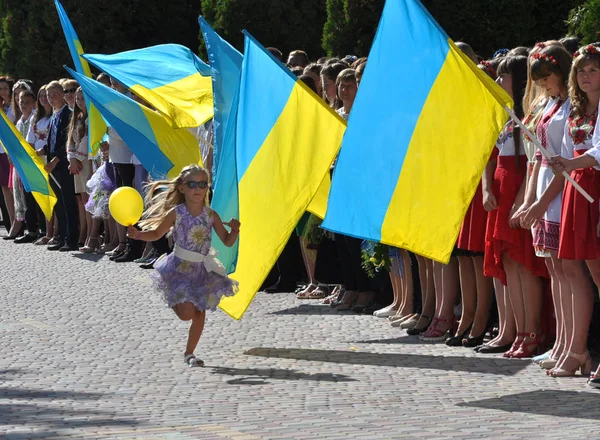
[309, 258]
[556, 272]
[407, 291]
[427, 291]
[447, 285]
[82, 218]
[515, 292]
[484, 298]
[468, 288]
[506, 319]
[581, 306]
[188, 312]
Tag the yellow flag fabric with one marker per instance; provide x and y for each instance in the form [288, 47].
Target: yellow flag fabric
[285, 143]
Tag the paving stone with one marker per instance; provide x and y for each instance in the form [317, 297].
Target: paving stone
[89, 352]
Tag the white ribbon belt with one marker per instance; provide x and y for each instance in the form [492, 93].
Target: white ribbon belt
[211, 262]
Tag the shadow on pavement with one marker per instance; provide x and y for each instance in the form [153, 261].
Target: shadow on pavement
[88, 257]
[499, 366]
[258, 376]
[572, 404]
[43, 413]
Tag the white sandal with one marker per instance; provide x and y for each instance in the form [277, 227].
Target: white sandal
[192, 361]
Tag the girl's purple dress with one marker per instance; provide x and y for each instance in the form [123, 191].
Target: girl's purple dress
[181, 280]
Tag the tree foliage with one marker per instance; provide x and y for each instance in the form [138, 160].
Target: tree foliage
[486, 25]
[584, 21]
[32, 43]
[285, 24]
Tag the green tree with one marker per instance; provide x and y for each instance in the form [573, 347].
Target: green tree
[584, 21]
[285, 24]
[32, 43]
[486, 25]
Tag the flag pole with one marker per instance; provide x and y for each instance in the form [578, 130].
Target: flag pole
[55, 181]
[546, 153]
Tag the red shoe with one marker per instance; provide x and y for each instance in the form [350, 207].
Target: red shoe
[435, 334]
[528, 348]
[516, 345]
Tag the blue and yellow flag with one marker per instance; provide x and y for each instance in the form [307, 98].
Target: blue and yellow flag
[226, 70]
[96, 125]
[286, 141]
[421, 131]
[29, 165]
[169, 77]
[162, 149]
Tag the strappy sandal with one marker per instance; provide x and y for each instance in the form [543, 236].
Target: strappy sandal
[319, 293]
[435, 334]
[305, 293]
[42, 241]
[88, 249]
[192, 361]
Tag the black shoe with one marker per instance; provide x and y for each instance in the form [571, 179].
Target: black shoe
[416, 331]
[68, 248]
[26, 239]
[281, 288]
[148, 265]
[456, 341]
[117, 255]
[8, 237]
[489, 349]
[127, 257]
[55, 247]
[372, 308]
[473, 342]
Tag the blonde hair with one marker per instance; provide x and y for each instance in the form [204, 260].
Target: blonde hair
[579, 99]
[164, 195]
[54, 85]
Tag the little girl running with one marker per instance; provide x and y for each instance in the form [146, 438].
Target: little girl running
[191, 279]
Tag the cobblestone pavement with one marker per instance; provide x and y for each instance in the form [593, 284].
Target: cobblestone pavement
[88, 351]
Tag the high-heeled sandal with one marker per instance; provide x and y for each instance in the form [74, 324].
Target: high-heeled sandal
[515, 345]
[585, 366]
[88, 249]
[529, 347]
[551, 361]
[456, 340]
[434, 334]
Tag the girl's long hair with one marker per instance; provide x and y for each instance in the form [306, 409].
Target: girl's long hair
[516, 67]
[164, 195]
[40, 110]
[533, 93]
[77, 123]
[579, 99]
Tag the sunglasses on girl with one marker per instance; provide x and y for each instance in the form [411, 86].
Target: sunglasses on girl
[67, 91]
[194, 184]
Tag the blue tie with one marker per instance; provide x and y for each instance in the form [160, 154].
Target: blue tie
[53, 131]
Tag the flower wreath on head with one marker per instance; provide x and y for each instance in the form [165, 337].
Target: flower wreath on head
[540, 45]
[585, 50]
[544, 57]
[489, 68]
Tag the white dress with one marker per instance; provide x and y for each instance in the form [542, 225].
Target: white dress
[550, 131]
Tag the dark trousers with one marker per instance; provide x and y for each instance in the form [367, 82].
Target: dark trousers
[5, 217]
[162, 245]
[289, 267]
[66, 206]
[350, 255]
[34, 218]
[125, 176]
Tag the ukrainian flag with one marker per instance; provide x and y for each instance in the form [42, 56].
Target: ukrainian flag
[162, 149]
[420, 134]
[29, 165]
[226, 70]
[96, 125]
[285, 142]
[169, 77]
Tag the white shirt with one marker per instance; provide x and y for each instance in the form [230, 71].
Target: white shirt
[79, 149]
[506, 142]
[581, 132]
[38, 133]
[118, 151]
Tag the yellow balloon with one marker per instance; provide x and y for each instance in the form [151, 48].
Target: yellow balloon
[126, 206]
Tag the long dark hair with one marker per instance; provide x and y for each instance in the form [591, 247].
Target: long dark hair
[516, 67]
[40, 110]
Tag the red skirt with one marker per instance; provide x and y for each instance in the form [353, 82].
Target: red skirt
[501, 238]
[579, 218]
[472, 233]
